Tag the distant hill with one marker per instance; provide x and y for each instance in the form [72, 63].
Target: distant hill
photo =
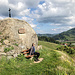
[47, 35]
[68, 35]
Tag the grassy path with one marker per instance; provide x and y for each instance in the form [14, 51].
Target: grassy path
[51, 65]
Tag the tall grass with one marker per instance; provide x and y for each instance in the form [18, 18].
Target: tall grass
[51, 64]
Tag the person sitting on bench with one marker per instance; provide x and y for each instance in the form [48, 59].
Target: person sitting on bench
[32, 52]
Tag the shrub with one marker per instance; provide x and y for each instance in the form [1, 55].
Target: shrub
[8, 49]
[67, 49]
[48, 39]
[2, 40]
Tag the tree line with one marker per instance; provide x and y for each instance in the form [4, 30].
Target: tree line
[48, 39]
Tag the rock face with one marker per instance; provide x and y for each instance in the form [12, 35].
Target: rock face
[17, 31]
[39, 47]
[6, 42]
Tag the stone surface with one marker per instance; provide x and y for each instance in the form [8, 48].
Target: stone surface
[1, 53]
[9, 27]
[21, 31]
[39, 47]
[6, 42]
[15, 55]
[15, 31]
[2, 48]
[10, 52]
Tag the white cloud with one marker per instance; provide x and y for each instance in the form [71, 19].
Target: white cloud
[40, 31]
[29, 20]
[5, 2]
[55, 24]
[61, 29]
[1, 18]
[20, 5]
[59, 12]
[54, 12]
[25, 12]
[32, 3]
[33, 25]
[17, 6]
[60, 1]
[27, 3]
[72, 20]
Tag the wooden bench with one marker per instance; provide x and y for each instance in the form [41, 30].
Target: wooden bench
[27, 52]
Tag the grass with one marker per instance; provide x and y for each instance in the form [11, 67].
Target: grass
[51, 65]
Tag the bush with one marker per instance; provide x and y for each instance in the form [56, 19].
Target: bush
[8, 49]
[66, 49]
[2, 40]
[48, 39]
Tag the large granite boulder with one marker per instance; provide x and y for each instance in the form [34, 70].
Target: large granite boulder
[17, 32]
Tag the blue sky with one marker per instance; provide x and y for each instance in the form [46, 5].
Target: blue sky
[44, 16]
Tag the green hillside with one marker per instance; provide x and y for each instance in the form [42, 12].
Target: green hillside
[47, 35]
[54, 63]
[68, 35]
